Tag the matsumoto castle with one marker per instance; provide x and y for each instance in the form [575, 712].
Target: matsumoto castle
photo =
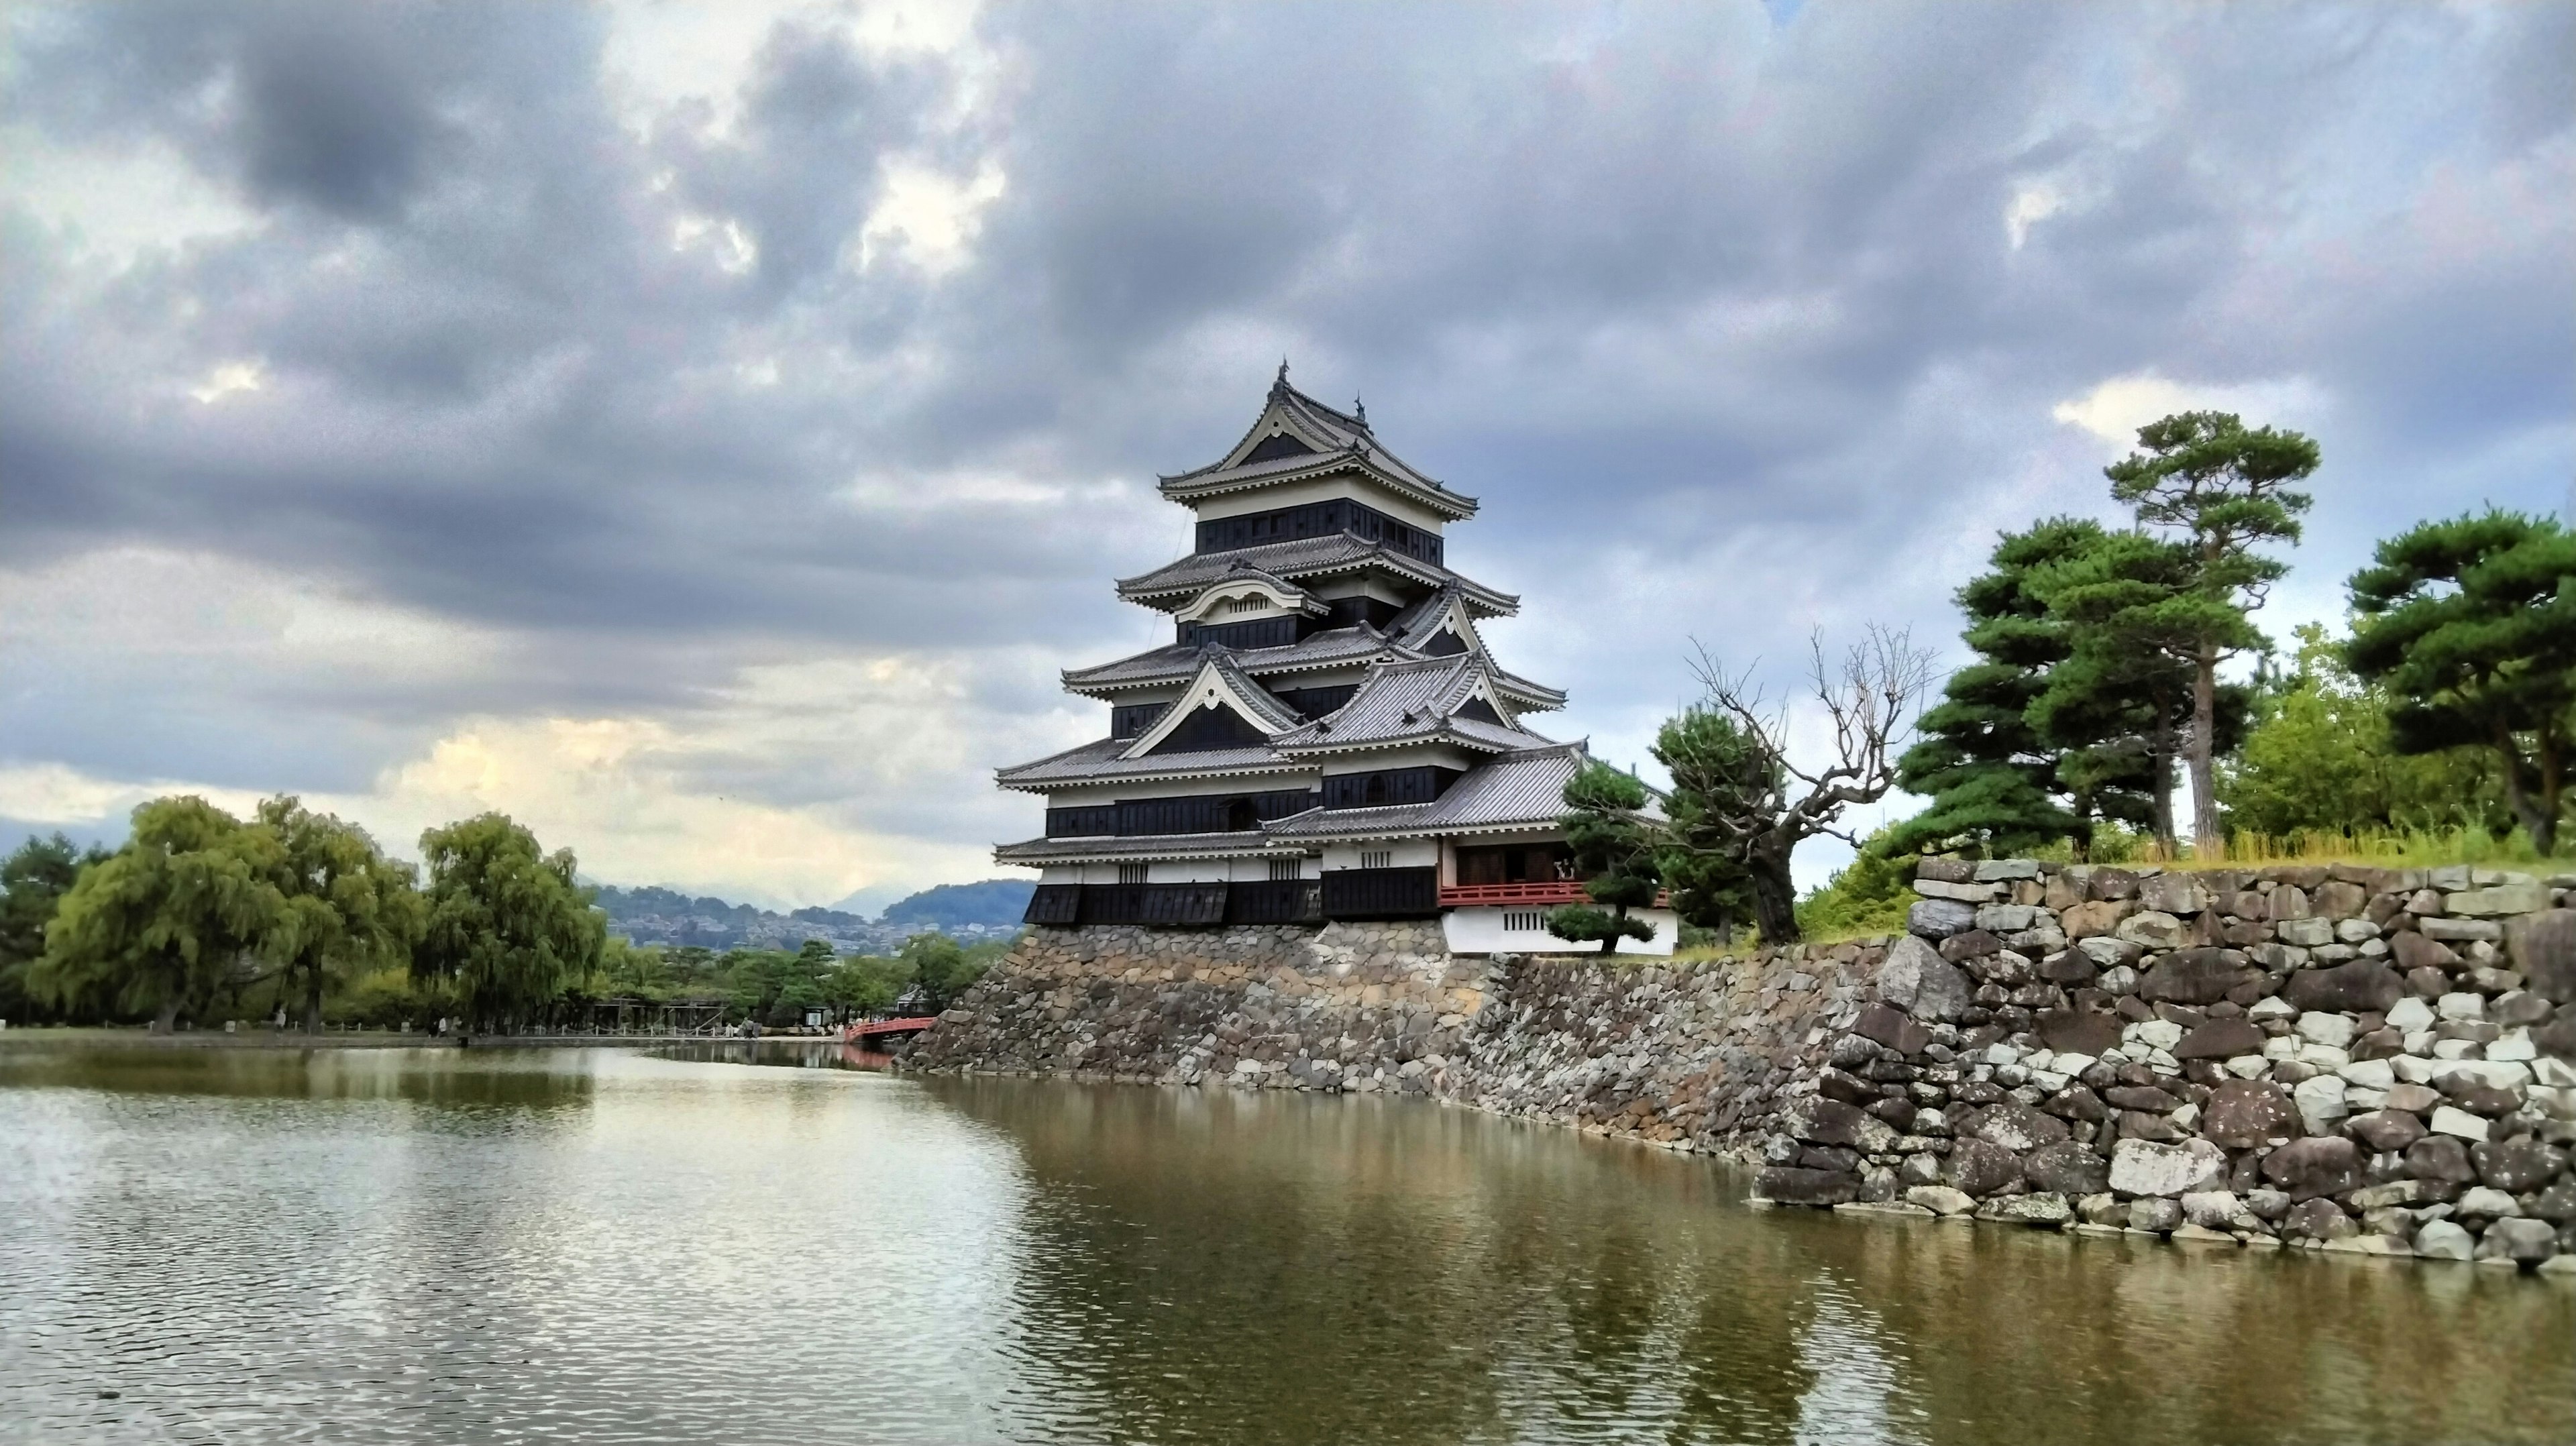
[1326, 737]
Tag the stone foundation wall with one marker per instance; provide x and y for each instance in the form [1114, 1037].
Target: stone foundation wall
[1346, 1007]
[2350, 1058]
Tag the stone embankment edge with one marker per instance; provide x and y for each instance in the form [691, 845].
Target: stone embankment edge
[2197, 1055]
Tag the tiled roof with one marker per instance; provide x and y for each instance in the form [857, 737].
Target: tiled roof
[1176, 662]
[1524, 789]
[1182, 845]
[1100, 762]
[1414, 701]
[1306, 557]
[1341, 440]
[1268, 711]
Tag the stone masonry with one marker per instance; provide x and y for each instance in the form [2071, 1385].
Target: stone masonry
[2335, 1057]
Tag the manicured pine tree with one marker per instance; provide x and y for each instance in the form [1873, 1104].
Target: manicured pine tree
[2471, 624]
[1614, 850]
[1991, 776]
[1708, 758]
[2225, 490]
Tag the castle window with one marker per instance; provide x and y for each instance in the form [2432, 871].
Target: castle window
[1131, 873]
[1377, 858]
[1283, 871]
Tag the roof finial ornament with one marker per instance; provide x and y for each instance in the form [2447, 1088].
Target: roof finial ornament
[1282, 379]
[1359, 411]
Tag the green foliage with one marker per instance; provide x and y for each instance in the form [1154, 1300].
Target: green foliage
[2470, 625]
[507, 926]
[33, 880]
[1614, 850]
[1989, 771]
[159, 925]
[941, 969]
[344, 907]
[2319, 757]
[1869, 895]
[2225, 490]
[1710, 761]
[2120, 704]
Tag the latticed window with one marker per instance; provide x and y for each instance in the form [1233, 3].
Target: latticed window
[1246, 604]
[1131, 873]
[1524, 920]
[1283, 871]
[1377, 858]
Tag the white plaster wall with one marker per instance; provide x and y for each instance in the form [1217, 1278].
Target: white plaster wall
[1412, 755]
[1190, 871]
[1482, 931]
[1411, 853]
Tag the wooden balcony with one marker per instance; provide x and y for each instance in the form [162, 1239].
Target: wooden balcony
[1545, 894]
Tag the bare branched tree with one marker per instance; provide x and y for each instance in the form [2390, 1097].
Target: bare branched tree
[1766, 804]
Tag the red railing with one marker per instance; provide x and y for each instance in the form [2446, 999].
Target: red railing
[1548, 892]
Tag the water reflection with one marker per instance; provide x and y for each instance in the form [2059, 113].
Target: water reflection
[598, 1245]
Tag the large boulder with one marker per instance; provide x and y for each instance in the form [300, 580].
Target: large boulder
[2155, 929]
[2385, 1130]
[1791, 1185]
[1980, 1168]
[2544, 949]
[2017, 1127]
[2068, 1167]
[2221, 1039]
[1821, 1121]
[1919, 981]
[2440, 1157]
[2143, 1167]
[2318, 1165]
[2360, 987]
[1939, 918]
[2245, 1114]
[2413, 951]
[1887, 1026]
[2195, 976]
[2070, 1031]
[2517, 1166]
[2099, 918]
[2318, 1220]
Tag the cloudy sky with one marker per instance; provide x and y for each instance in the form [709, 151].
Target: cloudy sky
[704, 432]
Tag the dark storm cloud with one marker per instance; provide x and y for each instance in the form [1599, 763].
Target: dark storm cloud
[1719, 314]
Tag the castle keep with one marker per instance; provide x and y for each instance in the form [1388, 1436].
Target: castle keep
[1326, 737]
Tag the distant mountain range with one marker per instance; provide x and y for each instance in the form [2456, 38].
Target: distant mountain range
[966, 912]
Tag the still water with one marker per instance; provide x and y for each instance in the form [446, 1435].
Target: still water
[602, 1246]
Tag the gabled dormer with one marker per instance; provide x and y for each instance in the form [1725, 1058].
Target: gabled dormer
[1221, 708]
[1304, 469]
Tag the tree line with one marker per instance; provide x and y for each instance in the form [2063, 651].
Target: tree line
[204, 915]
[2094, 687]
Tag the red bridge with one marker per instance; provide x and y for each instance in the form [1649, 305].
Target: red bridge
[887, 1028]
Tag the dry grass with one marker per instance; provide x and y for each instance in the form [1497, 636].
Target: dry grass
[2383, 848]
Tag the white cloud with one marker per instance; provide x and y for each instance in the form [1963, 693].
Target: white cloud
[230, 377]
[2032, 202]
[928, 217]
[113, 204]
[2117, 408]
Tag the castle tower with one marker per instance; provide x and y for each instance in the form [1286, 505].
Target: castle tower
[1326, 736]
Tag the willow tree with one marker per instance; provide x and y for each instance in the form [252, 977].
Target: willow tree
[2225, 491]
[156, 926]
[2471, 625]
[507, 926]
[1614, 850]
[345, 908]
[33, 880]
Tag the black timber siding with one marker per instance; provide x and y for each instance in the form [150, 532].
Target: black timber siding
[1054, 904]
[1316, 702]
[1387, 786]
[1321, 519]
[1381, 893]
[1204, 813]
[1130, 720]
[1274, 901]
[1153, 904]
[1211, 727]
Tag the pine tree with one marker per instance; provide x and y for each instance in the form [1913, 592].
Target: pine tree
[1707, 757]
[1990, 774]
[2471, 624]
[1614, 850]
[2225, 490]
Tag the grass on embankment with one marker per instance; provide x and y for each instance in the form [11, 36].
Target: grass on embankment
[1868, 898]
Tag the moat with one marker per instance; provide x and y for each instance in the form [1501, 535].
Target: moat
[600, 1245]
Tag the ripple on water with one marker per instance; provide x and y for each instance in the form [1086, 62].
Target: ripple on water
[602, 1247]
